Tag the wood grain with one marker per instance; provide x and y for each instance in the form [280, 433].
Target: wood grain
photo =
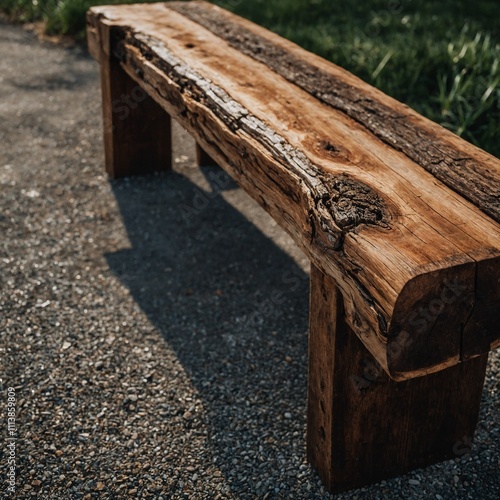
[416, 263]
[364, 427]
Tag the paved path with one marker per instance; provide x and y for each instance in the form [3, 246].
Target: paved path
[155, 329]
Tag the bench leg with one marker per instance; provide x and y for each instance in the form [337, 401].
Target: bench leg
[203, 159]
[137, 131]
[363, 427]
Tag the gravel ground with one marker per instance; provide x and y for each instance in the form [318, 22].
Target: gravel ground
[156, 351]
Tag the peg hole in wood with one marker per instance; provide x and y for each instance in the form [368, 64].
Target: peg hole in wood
[322, 433]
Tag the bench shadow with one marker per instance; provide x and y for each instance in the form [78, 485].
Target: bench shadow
[234, 308]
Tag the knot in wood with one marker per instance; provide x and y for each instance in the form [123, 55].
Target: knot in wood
[351, 203]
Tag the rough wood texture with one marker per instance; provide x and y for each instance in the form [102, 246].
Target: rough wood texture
[417, 264]
[362, 426]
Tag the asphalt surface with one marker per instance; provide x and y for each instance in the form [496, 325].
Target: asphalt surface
[155, 329]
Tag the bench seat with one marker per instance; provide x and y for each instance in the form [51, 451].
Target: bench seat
[399, 217]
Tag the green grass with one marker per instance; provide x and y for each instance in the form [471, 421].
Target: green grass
[61, 17]
[441, 58]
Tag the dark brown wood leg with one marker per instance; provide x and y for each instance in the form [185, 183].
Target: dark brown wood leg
[363, 427]
[203, 159]
[137, 132]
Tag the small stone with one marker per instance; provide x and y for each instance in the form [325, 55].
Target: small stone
[288, 359]
[132, 398]
[414, 482]
[58, 453]
[36, 483]
[99, 486]
[288, 415]
[455, 479]
[187, 415]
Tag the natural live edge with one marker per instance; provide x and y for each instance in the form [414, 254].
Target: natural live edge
[457, 170]
[235, 138]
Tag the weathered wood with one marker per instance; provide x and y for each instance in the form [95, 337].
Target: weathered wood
[203, 159]
[411, 257]
[362, 426]
[137, 131]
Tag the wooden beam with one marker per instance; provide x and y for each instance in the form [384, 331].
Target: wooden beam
[137, 131]
[363, 427]
[203, 159]
[413, 259]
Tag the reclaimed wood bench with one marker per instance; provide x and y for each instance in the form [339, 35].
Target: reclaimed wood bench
[399, 217]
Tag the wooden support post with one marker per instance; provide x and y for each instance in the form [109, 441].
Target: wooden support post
[203, 159]
[137, 131]
[364, 427]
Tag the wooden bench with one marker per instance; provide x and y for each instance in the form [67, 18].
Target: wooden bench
[398, 216]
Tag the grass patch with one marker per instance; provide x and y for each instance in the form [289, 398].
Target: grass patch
[61, 17]
[440, 58]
